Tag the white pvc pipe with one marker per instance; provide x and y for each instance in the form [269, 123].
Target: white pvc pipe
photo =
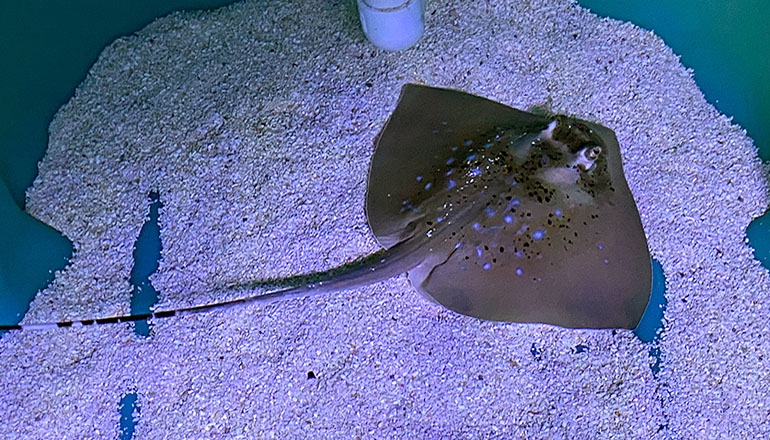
[392, 24]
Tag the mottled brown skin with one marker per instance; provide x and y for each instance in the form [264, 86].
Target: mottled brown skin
[562, 245]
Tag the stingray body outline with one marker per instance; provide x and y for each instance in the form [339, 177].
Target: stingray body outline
[493, 212]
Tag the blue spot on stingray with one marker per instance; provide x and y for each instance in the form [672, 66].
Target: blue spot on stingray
[467, 142]
[487, 265]
[476, 225]
[478, 251]
[470, 156]
[557, 212]
[490, 211]
[508, 219]
[474, 172]
[428, 185]
[450, 183]
[450, 160]
[519, 271]
[537, 234]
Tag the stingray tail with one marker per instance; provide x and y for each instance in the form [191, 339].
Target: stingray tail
[376, 267]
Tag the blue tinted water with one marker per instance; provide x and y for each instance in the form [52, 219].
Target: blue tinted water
[146, 255]
[127, 406]
[30, 251]
[758, 233]
[651, 321]
[650, 326]
[726, 43]
[70, 35]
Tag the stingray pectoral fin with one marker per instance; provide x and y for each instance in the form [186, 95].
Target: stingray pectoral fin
[422, 271]
[429, 133]
[601, 280]
[589, 294]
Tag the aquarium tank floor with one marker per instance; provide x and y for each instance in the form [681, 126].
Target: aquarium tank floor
[71, 38]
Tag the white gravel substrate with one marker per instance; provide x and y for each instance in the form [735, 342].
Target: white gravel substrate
[255, 123]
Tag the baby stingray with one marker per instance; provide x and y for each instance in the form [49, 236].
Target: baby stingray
[494, 213]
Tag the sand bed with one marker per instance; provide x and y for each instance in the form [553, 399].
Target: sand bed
[255, 124]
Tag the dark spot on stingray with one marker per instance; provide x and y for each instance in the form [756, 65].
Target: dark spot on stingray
[581, 177]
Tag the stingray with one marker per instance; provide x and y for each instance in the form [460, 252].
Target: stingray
[494, 213]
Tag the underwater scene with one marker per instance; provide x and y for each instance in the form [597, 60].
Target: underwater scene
[376, 219]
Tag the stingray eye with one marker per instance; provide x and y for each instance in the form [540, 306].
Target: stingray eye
[585, 158]
[593, 153]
